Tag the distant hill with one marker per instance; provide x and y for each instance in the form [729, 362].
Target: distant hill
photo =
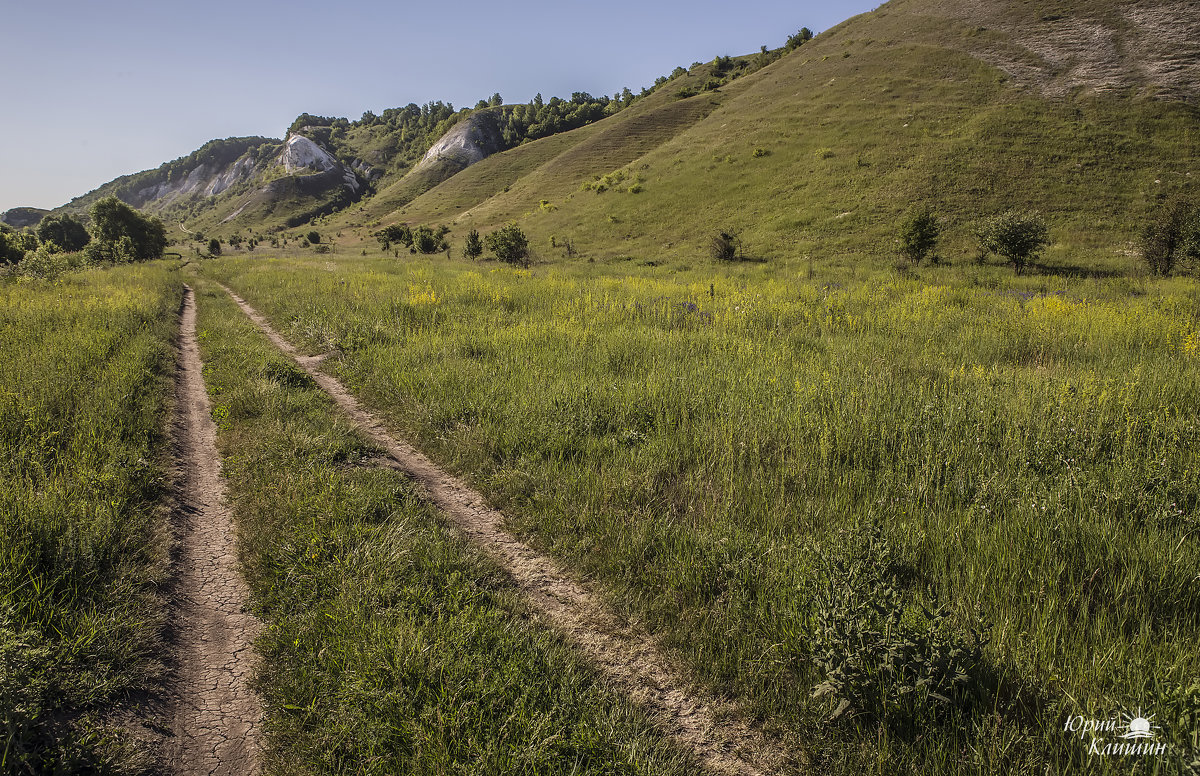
[1085, 110]
[326, 164]
[21, 217]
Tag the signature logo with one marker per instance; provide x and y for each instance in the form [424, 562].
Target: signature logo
[1123, 735]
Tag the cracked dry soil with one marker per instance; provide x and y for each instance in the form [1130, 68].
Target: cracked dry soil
[215, 716]
[629, 660]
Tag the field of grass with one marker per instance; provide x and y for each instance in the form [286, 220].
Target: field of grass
[85, 366]
[391, 645]
[768, 470]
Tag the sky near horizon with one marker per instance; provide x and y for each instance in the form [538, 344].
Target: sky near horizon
[94, 90]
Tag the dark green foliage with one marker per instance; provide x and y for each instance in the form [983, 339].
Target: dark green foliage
[1171, 236]
[14, 245]
[1017, 236]
[396, 233]
[509, 244]
[314, 237]
[919, 235]
[63, 231]
[799, 39]
[725, 245]
[425, 240]
[214, 247]
[473, 247]
[882, 654]
[125, 234]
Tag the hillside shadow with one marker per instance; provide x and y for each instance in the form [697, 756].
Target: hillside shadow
[1070, 271]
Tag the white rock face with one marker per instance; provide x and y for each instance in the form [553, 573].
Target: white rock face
[465, 144]
[301, 153]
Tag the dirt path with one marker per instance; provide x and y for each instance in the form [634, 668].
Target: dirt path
[216, 717]
[629, 660]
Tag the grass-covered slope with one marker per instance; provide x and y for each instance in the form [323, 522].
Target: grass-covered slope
[823, 152]
[759, 468]
[84, 386]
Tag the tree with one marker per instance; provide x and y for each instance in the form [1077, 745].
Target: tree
[1171, 236]
[1018, 237]
[113, 220]
[919, 235]
[425, 240]
[11, 251]
[496, 100]
[63, 231]
[313, 237]
[509, 244]
[214, 247]
[799, 39]
[473, 248]
[396, 233]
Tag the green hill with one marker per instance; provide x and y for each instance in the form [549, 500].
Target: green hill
[1086, 111]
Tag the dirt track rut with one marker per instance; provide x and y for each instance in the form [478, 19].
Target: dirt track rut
[629, 660]
[216, 717]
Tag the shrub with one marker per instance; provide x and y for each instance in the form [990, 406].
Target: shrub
[13, 245]
[882, 655]
[473, 247]
[509, 244]
[396, 233]
[214, 247]
[425, 240]
[726, 245]
[1018, 237]
[799, 39]
[112, 219]
[919, 235]
[1171, 236]
[314, 237]
[63, 231]
[760, 153]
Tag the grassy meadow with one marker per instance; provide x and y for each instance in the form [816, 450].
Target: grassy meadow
[987, 484]
[391, 645]
[85, 367]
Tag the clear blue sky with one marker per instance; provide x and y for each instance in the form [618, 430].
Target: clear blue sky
[92, 90]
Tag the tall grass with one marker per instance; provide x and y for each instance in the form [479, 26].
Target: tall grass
[84, 377]
[707, 443]
[391, 645]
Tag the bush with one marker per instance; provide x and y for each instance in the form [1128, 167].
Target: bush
[396, 233]
[425, 240]
[1018, 237]
[509, 244]
[799, 39]
[473, 248]
[919, 235]
[214, 247]
[63, 231]
[726, 245]
[882, 656]
[113, 220]
[313, 237]
[1171, 236]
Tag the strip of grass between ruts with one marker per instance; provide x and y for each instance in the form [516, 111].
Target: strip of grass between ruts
[711, 450]
[391, 645]
[85, 366]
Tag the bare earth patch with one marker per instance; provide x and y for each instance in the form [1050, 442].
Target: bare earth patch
[629, 660]
[216, 717]
[1148, 46]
